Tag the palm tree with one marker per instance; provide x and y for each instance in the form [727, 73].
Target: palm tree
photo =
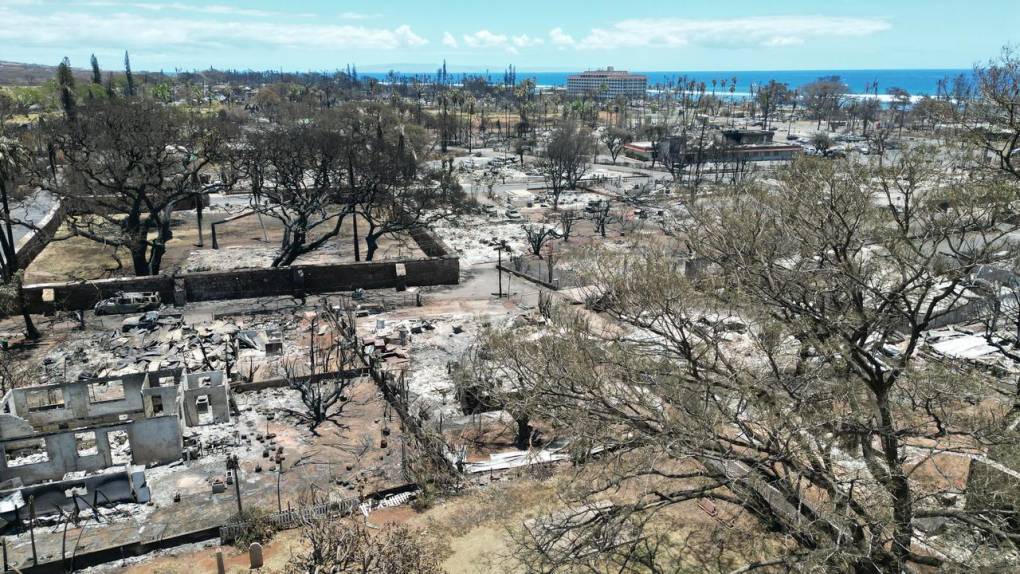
[13, 159]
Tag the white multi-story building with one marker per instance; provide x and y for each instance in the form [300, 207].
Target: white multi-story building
[608, 83]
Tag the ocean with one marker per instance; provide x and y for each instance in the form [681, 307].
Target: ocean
[917, 82]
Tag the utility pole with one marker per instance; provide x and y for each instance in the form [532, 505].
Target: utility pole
[503, 246]
[234, 466]
[279, 471]
[31, 528]
[311, 347]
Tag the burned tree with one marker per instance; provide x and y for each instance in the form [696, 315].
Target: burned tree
[791, 382]
[380, 155]
[993, 118]
[326, 381]
[122, 165]
[404, 208]
[821, 141]
[601, 216]
[296, 174]
[824, 98]
[566, 158]
[348, 546]
[614, 139]
[566, 220]
[770, 98]
[538, 236]
[13, 373]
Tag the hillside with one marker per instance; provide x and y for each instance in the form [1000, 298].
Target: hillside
[18, 74]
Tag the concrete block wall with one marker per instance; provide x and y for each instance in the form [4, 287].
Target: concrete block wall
[83, 295]
[430, 243]
[440, 268]
[239, 284]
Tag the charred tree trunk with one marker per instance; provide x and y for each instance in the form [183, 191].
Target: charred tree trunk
[357, 244]
[371, 246]
[524, 431]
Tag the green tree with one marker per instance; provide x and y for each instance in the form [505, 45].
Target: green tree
[614, 138]
[97, 75]
[128, 75]
[65, 83]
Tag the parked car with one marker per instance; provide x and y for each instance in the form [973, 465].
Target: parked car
[125, 303]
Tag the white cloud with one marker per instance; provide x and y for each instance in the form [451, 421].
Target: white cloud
[219, 9]
[560, 38]
[770, 31]
[777, 41]
[60, 28]
[485, 39]
[449, 40]
[359, 16]
[525, 41]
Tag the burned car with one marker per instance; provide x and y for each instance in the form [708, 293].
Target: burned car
[125, 303]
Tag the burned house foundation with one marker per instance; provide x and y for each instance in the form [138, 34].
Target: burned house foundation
[76, 445]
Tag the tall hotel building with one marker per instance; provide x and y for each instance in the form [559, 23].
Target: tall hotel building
[608, 84]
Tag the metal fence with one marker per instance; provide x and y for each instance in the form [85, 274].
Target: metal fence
[288, 519]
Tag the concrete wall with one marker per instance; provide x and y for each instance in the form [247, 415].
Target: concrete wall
[250, 283]
[152, 441]
[214, 390]
[78, 405]
[52, 497]
[156, 440]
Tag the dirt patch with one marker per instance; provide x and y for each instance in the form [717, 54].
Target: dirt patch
[276, 554]
[243, 244]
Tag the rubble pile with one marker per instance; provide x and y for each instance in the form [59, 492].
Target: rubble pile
[428, 352]
[166, 341]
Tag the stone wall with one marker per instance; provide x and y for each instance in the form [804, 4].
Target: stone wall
[81, 295]
[440, 268]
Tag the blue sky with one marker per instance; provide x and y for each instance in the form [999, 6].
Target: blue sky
[533, 35]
